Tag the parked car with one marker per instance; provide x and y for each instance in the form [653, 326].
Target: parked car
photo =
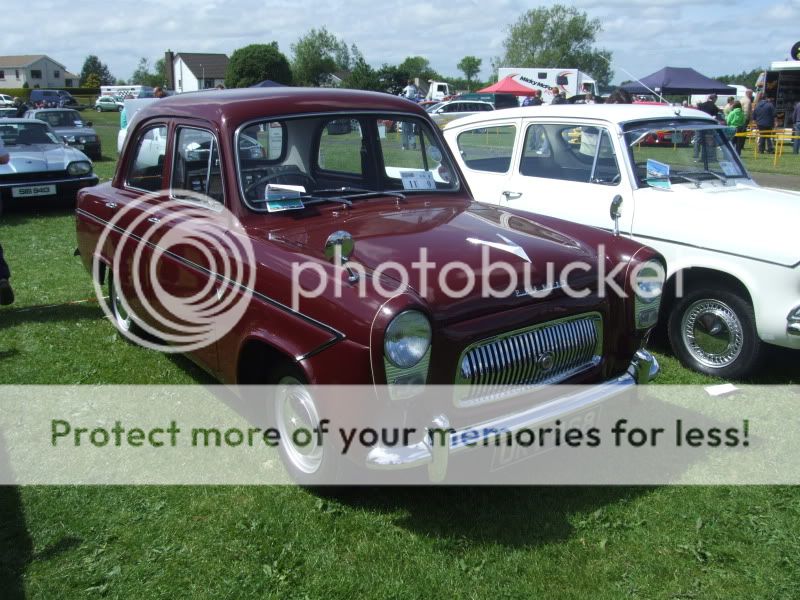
[70, 126]
[108, 104]
[41, 166]
[9, 112]
[6, 100]
[52, 98]
[356, 197]
[445, 112]
[730, 242]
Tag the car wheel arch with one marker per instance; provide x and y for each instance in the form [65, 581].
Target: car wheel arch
[255, 354]
[705, 276]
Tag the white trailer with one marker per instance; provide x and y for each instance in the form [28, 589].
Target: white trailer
[126, 91]
[569, 81]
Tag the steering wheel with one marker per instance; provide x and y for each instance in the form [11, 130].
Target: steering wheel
[291, 178]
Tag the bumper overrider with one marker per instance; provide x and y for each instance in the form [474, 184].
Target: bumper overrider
[435, 450]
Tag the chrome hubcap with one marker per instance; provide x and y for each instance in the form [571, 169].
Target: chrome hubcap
[712, 332]
[297, 418]
[122, 316]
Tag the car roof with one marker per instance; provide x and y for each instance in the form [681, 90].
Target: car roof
[19, 120]
[46, 110]
[613, 113]
[239, 105]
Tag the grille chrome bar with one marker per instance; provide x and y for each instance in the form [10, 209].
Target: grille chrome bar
[543, 354]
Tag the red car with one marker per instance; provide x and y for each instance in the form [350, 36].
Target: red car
[300, 263]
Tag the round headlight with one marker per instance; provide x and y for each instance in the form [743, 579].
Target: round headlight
[408, 338]
[80, 167]
[648, 284]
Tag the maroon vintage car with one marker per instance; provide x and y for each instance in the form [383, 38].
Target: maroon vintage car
[322, 221]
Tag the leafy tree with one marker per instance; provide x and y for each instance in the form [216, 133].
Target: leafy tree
[559, 36]
[317, 54]
[255, 63]
[470, 66]
[392, 79]
[93, 66]
[363, 77]
[92, 81]
[745, 78]
[418, 66]
[143, 76]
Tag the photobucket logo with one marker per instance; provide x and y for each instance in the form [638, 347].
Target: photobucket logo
[491, 279]
[182, 271]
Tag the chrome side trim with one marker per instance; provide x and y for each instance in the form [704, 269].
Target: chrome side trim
[337, 335]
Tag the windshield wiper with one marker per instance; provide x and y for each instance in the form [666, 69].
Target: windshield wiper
[671, 175]
[308, 200]
[353, 193]
[724, 180]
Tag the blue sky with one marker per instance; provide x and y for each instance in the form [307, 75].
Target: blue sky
[644, 35]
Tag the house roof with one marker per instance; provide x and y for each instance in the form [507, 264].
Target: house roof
[210, 66]
[23, 60]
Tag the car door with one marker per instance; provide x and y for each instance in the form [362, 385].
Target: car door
[571, 170]
[486, 154]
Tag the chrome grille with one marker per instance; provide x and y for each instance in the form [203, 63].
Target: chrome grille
[543, 354]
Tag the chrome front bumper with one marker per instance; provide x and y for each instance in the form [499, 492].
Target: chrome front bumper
[643, 368]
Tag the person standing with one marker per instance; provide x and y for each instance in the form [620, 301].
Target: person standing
[796, 128]
[6, 292]
[747, 106]
[710, 106]
[728, 106]
[557, 97]
[764, 116]
[410, 91]
[735, 119]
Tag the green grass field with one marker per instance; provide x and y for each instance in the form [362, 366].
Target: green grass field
[285, 542]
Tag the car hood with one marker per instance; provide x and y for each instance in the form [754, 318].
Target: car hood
[451, 232]
[742, 219]
[75, 131]
[37, 158]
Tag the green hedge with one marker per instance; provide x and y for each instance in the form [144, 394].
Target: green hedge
[25, 93]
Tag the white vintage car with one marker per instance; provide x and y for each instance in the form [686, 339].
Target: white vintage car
[731, 247]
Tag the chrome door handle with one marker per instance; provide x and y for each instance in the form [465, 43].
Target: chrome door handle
[512, 195]
[111, 205]
[153, 219]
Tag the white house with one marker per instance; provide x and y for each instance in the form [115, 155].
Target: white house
[37, 70]
[192, 71]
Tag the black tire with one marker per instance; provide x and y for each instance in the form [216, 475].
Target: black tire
[713, 331]
[308, 465]
[99, 109]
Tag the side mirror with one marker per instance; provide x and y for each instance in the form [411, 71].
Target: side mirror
[88, 123]
[615, 212]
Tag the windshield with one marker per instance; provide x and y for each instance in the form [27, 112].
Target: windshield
[26, 134]
[61, 118]
[665, 153]
[301, 161]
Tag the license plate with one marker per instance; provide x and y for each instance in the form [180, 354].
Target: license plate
[508, 455]
[33, 190]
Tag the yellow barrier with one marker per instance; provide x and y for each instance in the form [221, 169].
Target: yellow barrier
[780, 136]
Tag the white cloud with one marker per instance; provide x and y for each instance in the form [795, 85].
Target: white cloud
[644, 35]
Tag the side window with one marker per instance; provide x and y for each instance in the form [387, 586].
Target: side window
[196, 167]
[340, 147]
[412, 159]
[487, 149]
[147, 169]
[569, 153]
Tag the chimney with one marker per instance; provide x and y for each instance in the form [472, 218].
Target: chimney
[169, 68]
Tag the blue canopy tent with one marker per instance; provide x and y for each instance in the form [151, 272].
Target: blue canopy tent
[678, 81]
[268, 83]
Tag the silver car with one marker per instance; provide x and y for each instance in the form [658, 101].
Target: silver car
[69, 124]
[41, 166]
[444, 112]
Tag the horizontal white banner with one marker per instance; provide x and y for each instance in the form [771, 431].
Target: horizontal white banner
[550, 435]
